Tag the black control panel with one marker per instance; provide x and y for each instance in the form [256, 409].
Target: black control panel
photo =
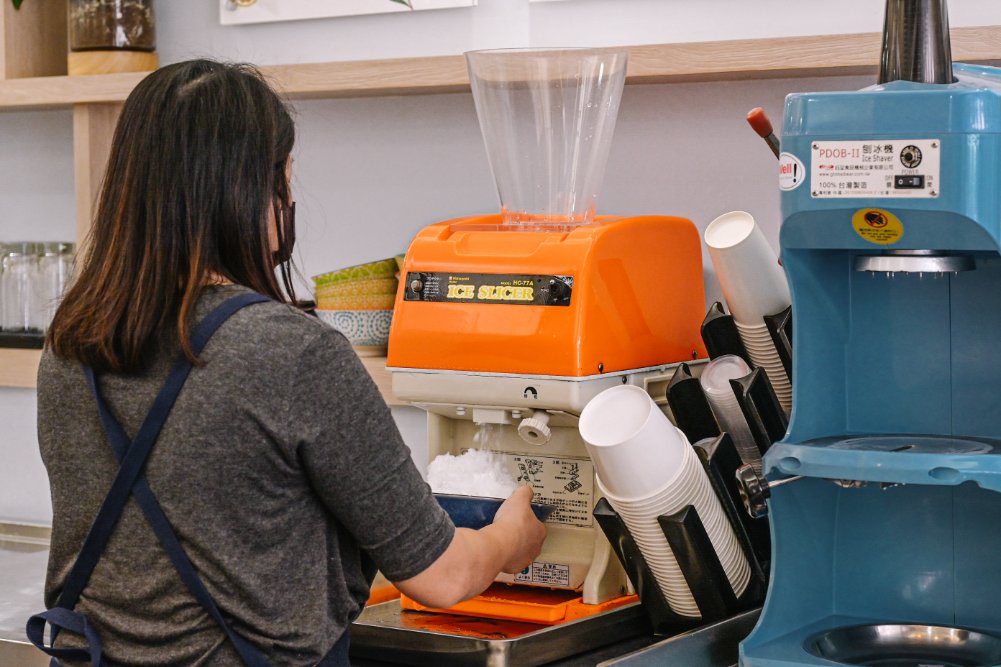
[506, 288]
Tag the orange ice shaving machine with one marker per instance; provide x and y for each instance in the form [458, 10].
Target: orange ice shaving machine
[618, 294]
[505, 326]
[503, 333]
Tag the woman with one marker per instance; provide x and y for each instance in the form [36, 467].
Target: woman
[278, 482]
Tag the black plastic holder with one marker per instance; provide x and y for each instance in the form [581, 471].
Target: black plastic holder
[689, 405]
[761, 408]
[780, 329]
[694, 552]
[22, 340]
[721, 460]
[754, 393]
[720, 335]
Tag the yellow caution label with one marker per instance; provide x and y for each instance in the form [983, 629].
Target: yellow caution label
[877, 226]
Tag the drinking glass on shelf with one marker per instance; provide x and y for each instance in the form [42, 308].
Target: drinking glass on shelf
[15, 288]
[55, 267]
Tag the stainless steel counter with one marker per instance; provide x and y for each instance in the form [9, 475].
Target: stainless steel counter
[24, 552]
[24, 555]
[714, 645]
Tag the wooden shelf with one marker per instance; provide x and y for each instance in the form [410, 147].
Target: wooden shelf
[19, 368]
[771, 58]
[96, 99]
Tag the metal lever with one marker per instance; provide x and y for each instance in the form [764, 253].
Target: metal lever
[755, 490]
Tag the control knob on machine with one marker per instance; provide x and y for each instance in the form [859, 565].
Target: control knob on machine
[559, 292]
[535, 429]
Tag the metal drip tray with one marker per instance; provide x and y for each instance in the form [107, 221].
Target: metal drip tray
[389, 634]
[906, 646]
[917, 444]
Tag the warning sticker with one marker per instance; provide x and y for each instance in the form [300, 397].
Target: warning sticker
[877, 226]
[566, 483]
[547, 574]
[875, 168]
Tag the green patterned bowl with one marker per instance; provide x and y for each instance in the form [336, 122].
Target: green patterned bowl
[358, 288]
[362, 328]
[356, 302]
[383, 268]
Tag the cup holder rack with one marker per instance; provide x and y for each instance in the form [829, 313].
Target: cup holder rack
[685, 533]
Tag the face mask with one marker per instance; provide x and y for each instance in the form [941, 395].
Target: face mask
[286, 233]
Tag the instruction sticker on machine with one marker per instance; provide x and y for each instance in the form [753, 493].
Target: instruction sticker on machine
[884, 168]
[565, 483]
[546, 574]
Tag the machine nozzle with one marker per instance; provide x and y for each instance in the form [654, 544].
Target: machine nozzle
[914, 261]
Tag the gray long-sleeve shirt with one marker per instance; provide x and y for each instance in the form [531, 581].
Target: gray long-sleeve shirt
[280, 469]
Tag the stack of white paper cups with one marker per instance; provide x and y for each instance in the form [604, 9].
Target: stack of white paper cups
[754, 286]
[715, 380]
[646, 469]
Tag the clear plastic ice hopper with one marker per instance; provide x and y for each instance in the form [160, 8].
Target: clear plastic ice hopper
[547, 118]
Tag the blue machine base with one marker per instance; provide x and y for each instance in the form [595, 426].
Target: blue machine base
[888, 528]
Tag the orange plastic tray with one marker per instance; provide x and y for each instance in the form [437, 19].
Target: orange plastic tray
[522, 603]
[383, 593]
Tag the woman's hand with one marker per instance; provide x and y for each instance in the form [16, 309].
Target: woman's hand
[527, 533]
[475, 557]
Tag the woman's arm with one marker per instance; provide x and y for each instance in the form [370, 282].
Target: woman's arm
[475, 557]
[347, 444]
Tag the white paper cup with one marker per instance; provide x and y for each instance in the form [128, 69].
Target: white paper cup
[671, 493]
[634, 446]
[762, 351]
[748, 270]
[691, 487]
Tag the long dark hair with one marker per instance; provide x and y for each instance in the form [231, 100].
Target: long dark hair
[198, 158]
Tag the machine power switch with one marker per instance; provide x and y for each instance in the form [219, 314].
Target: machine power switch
[913, 182]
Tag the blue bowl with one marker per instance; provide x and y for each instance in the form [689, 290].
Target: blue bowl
[476, 512]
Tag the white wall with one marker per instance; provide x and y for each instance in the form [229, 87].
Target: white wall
[36, 203]
[371, 172]
[189, 27]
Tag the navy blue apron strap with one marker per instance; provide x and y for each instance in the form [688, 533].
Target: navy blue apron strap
[164, 401]
[134, 460]
[132, 457]
[215, 319]
[65, 619]
[158, 521]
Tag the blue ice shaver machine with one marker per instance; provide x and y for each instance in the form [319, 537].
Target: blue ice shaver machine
[887, 548]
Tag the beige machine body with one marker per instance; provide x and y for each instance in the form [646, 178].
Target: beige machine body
[531, 421]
